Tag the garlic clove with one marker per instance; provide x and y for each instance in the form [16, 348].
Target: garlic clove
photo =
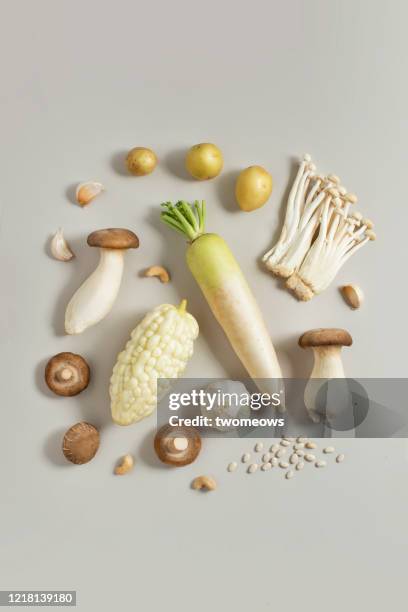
[353, 295]
[86, 192]
[60, 248]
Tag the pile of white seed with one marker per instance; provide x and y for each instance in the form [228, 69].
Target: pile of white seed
[291, 455]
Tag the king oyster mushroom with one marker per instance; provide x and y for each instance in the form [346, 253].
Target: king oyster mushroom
[326, 345]
[95, 297]
[67, 374]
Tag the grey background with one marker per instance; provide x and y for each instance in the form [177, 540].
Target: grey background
[81, 83]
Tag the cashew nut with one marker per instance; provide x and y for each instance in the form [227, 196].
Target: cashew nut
[204, 482]
[125, 465]
[158, 271]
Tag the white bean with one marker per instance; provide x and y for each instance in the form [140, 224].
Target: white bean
[289, 474]
[245, 457]
[266, 466]
[293, 458]
[284, 465]
[340, 458]
[320, 464]
[300, 465]
[258, 447]
[311, 445]
[273, 462]
[299, 446]
[301, 439]
[300, 453]
[267, 457]
[329, 449]
[232, 466]
[274, 448]
[285, 442]
[280, 452]
[310, 458]
[252, 468]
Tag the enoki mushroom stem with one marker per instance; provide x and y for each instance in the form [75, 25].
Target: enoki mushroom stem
[318, 235]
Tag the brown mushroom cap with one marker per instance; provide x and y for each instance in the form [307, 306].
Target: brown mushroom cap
[325, 337]
[169, 445]
[67, 374]
[80, 443]
[113, 238]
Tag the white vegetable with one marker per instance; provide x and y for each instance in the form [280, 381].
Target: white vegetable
[232, 403]
[159, 347]
[230, 298]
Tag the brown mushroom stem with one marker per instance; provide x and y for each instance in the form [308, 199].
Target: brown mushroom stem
[177, 445]
[65, 374]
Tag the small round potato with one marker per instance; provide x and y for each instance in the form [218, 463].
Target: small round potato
[204, 161]
[253, 188]
[141, 161]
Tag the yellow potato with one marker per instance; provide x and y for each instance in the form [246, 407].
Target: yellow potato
[141, 161]
[253, 188]
[204, 161]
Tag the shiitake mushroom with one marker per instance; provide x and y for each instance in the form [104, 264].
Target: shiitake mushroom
[177, 446]
[67, 374]
[80, 443]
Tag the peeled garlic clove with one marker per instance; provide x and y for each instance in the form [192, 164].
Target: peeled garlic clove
[86, 192]
[60, 248]
[353, 295]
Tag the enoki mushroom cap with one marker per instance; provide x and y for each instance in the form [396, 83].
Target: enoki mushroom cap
[67, 374]
[325, 337]
[113, 238]
[80, 443]
[177, 446]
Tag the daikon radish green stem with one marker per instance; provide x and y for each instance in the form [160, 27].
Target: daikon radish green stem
[220, 278]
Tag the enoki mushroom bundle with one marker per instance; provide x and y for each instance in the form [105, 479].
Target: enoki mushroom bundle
[319, 233]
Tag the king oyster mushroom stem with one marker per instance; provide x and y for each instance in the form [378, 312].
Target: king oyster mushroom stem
[326, 345]
[60, 248]
[95, 297]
